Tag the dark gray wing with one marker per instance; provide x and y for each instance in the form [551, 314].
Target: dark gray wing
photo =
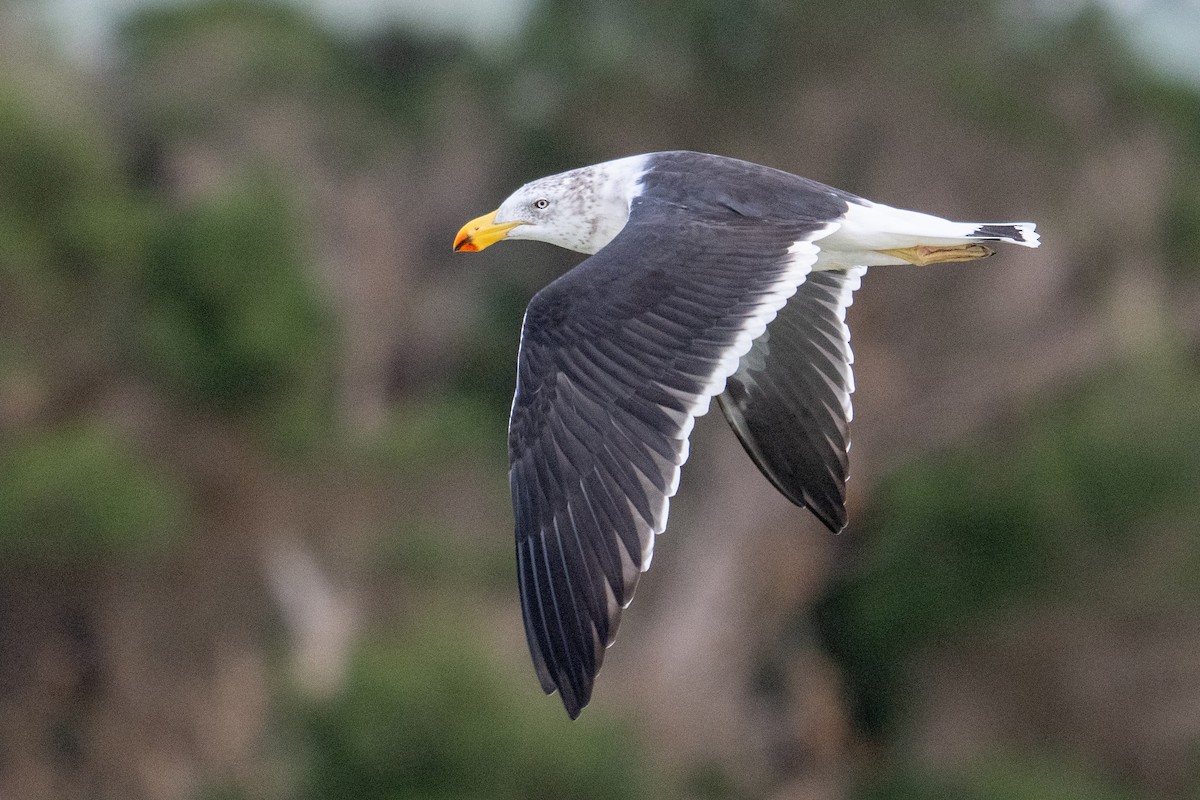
[789, 401]
[618, 357]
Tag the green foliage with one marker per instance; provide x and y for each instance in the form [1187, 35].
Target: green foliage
[216, 300]
[1183, 215]
[221, 791]
[725, 51]
[431, 717]
[269, 45]
[708, 780]
[424, 554]
[983, 91]
[1179, 106]
[77, 493]
[996, 778]
[276, 49]
[962, 535]
[400, 72]
[232, 320]
[488, 371]
[416, 434]
[67, 225]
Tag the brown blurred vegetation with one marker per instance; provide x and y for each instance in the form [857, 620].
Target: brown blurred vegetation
[253, 501]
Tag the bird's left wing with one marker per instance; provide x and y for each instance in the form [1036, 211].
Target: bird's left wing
[617, 359]
[789, 401]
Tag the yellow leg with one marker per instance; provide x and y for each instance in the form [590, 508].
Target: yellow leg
[930, 254]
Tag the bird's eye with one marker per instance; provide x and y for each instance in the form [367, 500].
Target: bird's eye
[541, 203]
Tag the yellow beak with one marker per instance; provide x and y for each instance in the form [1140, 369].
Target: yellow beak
[481, 232]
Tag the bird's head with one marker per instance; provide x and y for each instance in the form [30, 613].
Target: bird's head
[580, 210]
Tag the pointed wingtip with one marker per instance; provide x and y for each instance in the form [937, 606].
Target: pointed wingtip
[573, 703]
[833, 516]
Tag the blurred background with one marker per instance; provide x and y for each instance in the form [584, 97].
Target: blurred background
[255, 539]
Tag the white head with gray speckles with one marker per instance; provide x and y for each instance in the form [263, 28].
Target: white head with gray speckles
[581, 210]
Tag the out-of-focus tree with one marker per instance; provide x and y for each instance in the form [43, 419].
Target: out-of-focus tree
[252, 413]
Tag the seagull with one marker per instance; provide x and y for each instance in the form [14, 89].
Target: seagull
[707, 277]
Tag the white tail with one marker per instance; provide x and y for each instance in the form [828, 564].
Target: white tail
[869, 231]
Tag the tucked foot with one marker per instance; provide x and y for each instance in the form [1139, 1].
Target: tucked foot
[930, 254]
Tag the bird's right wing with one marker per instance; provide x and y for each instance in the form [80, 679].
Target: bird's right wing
[617, 359]
[789, 401]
